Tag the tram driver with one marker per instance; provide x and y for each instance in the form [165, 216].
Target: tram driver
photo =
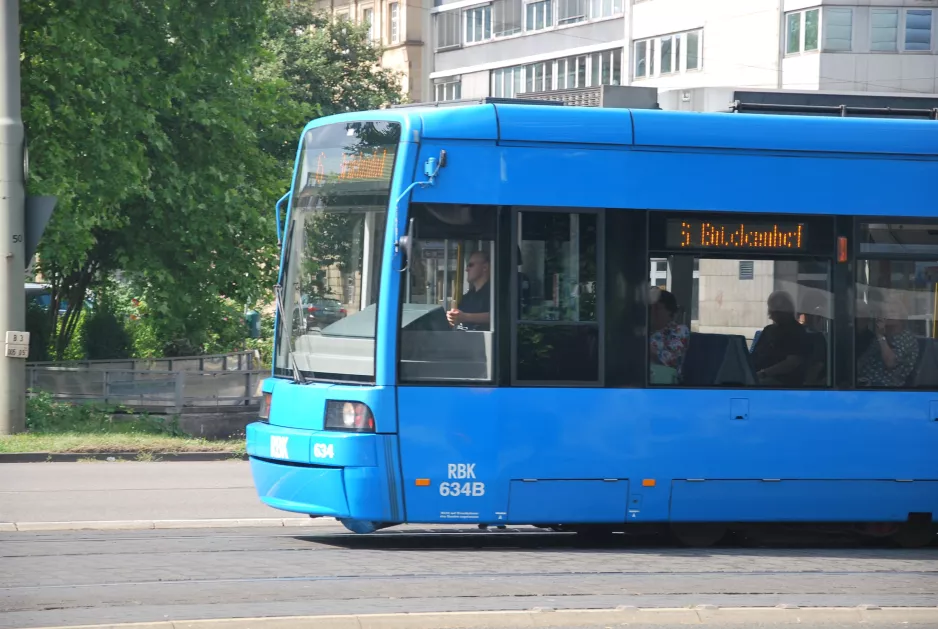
[474, 309]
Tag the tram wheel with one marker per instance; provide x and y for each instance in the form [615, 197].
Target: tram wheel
[698, 535]
[915, 534]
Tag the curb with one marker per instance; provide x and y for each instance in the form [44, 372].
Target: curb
[707, 615]
[144, 525]
[72, 457]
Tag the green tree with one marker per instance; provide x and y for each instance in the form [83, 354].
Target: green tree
[329, 64]
[144, 119]
[167, 130]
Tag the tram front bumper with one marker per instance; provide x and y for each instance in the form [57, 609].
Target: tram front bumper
[323, 473]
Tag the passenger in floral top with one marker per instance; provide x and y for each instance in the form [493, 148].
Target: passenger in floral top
[668, 340]
[892, 358]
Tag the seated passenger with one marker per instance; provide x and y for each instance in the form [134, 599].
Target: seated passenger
[890, 359]
[779, 357]
[473, 312]
[668, 340]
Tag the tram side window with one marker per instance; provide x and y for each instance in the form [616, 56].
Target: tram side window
[557, 330]
[731, 322]
[897, 306]
[448, 295]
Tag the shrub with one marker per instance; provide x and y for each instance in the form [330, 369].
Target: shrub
[104, 336]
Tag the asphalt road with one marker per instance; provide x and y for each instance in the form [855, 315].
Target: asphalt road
[59, 492]
[68, 578]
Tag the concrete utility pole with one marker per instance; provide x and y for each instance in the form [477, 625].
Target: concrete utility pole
[12, 227]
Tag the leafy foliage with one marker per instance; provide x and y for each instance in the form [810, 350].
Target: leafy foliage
[45, 415]
[167, 130]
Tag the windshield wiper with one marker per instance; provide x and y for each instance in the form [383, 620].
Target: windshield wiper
[298, 376]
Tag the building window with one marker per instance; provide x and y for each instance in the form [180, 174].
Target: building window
[571, 73]
[606, 68]
[679, 52]
[693, 50]
[394, 23]
[667, 50]
[506, 17]
[571, 11]
[641, 59]
[368, 19]
[885, 30]
[605, 8]
[447, 30]
[537, 15]
[478, 24]
[802, 31]
[449, 89]
[838, 29]
[915, 34]
[599, 68]
[918, 24]
[506, 82]
[538, 77]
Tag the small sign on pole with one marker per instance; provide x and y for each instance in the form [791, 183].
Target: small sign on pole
[17, 345]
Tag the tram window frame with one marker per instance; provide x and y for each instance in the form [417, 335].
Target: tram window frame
[898, 256]
[599, 290]
[493, 225]
[819, 246]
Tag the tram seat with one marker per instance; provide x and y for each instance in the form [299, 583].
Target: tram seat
[925, 373]
[717, 360]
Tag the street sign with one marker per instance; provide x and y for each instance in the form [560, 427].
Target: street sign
[16, 351]
[17, 345]
[38, 211]
[17, 338]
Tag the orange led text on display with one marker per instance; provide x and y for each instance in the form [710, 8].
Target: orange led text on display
[356, 167]
[708, 235]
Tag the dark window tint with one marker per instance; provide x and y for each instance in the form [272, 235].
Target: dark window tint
[558, 320]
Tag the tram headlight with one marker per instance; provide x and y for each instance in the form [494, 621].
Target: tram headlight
[265, 406]
[349, 417]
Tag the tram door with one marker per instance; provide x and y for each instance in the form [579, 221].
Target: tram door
[447, 411]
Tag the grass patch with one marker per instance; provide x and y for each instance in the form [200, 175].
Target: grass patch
[144, 445]
[61, 428]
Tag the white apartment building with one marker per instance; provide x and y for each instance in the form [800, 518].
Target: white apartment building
[503, 48]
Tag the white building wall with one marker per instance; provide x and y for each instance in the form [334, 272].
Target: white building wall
[862, 69]
[728, 305]
[738, 41]
[476, 84]
[744, 46]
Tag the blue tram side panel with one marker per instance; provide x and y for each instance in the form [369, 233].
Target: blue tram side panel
[574, 455]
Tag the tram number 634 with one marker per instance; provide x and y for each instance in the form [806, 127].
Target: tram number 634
[462, 489]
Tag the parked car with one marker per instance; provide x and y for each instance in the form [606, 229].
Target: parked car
[323, 312]
[41, 295]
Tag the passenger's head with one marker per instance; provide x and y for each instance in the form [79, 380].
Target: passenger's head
[663, 308]
[894, 314]
[781, 307]
[477, 268]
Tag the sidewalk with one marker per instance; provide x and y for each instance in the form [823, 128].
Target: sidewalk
[131, 491]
